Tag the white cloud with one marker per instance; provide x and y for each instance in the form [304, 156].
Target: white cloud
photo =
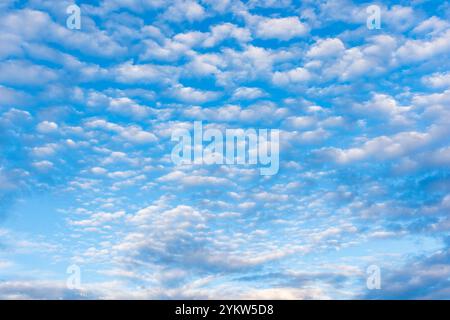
[25, 73]
[284, 293]
[192, 95]
[300, 122]
[374, 58]
[437, 80]
[386, 107]
[41, 27]
[169, 50]
[382, 147]
[43, 165]
[325, 48]
[47, 127]
[10, 96]
[245, 93]
[225, 222]
[144, 73]
[182, 10]
[132, 133]
[99, 170]
[98, 219]
[193, 180]
[399, 17]
[281, 28]
[45, 151]
[266, 112]
[127, 107]
[4, 264]
[431, 26]
[418, 50]
[225, 31]
[295, 76]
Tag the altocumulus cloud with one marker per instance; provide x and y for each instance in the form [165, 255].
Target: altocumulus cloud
[86, 177]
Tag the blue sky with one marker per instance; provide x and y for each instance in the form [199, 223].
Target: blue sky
[86, 178]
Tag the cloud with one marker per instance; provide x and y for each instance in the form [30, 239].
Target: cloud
[40, 27]
[26, 290]
[419, 50]
[437, 80]
[86, 118]
[226, 31]
[98, 219]
[265, 112]
[244, 93]
[47, 127]
[382, 147]
[24, 73]
[285, 294]
[281, 28]
[325, 48]
[431, 26]
[294, 76]
[188, 10]
[193, 180]
[132, 133]
[385, 107]
[127, 107]
[192, 95]
[423, 278]
[45, 151]
[43, 165]
[11, 97]
[144, 73]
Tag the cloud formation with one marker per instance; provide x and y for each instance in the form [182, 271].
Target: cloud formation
[86, 178]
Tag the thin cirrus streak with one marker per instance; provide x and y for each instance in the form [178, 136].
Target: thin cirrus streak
[118, 180]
